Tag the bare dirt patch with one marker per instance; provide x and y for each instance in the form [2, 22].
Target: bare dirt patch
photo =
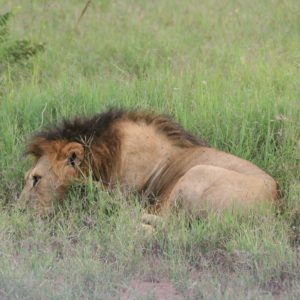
[158, 290]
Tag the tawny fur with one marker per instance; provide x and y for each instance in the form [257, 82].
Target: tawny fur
[147, 153]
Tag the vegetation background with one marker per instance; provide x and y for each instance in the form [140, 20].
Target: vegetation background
[226, 70]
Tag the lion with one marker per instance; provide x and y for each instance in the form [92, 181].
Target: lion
[144, 152]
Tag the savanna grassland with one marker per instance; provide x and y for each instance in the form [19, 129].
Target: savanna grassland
[228, 71]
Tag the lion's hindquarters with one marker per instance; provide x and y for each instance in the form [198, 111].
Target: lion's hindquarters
[206, 187]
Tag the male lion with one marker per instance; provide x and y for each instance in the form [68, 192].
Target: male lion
[144, 152]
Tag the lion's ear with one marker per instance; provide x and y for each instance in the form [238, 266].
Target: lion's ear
[74, 153]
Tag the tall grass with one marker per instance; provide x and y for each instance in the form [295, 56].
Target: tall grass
[227, 71]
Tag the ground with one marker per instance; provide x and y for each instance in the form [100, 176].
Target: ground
[228, 72]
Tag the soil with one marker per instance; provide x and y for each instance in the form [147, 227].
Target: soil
[159, 290]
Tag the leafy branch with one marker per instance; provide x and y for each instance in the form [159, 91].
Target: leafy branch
[15, 51]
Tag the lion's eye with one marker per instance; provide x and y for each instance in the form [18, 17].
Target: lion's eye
[35, 180]
[72, 159]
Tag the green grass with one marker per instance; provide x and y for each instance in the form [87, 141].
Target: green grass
[228, 71]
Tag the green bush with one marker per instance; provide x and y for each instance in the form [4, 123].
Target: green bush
[15, 51]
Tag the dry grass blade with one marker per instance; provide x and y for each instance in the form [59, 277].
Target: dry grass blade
[83, 12]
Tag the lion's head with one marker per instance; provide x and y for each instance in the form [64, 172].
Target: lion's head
[56, 164]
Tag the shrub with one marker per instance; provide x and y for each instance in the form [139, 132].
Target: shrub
[15, 51]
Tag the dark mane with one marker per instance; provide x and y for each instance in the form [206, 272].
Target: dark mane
[82, 130]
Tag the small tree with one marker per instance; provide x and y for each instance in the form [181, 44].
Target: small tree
[15, 51]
